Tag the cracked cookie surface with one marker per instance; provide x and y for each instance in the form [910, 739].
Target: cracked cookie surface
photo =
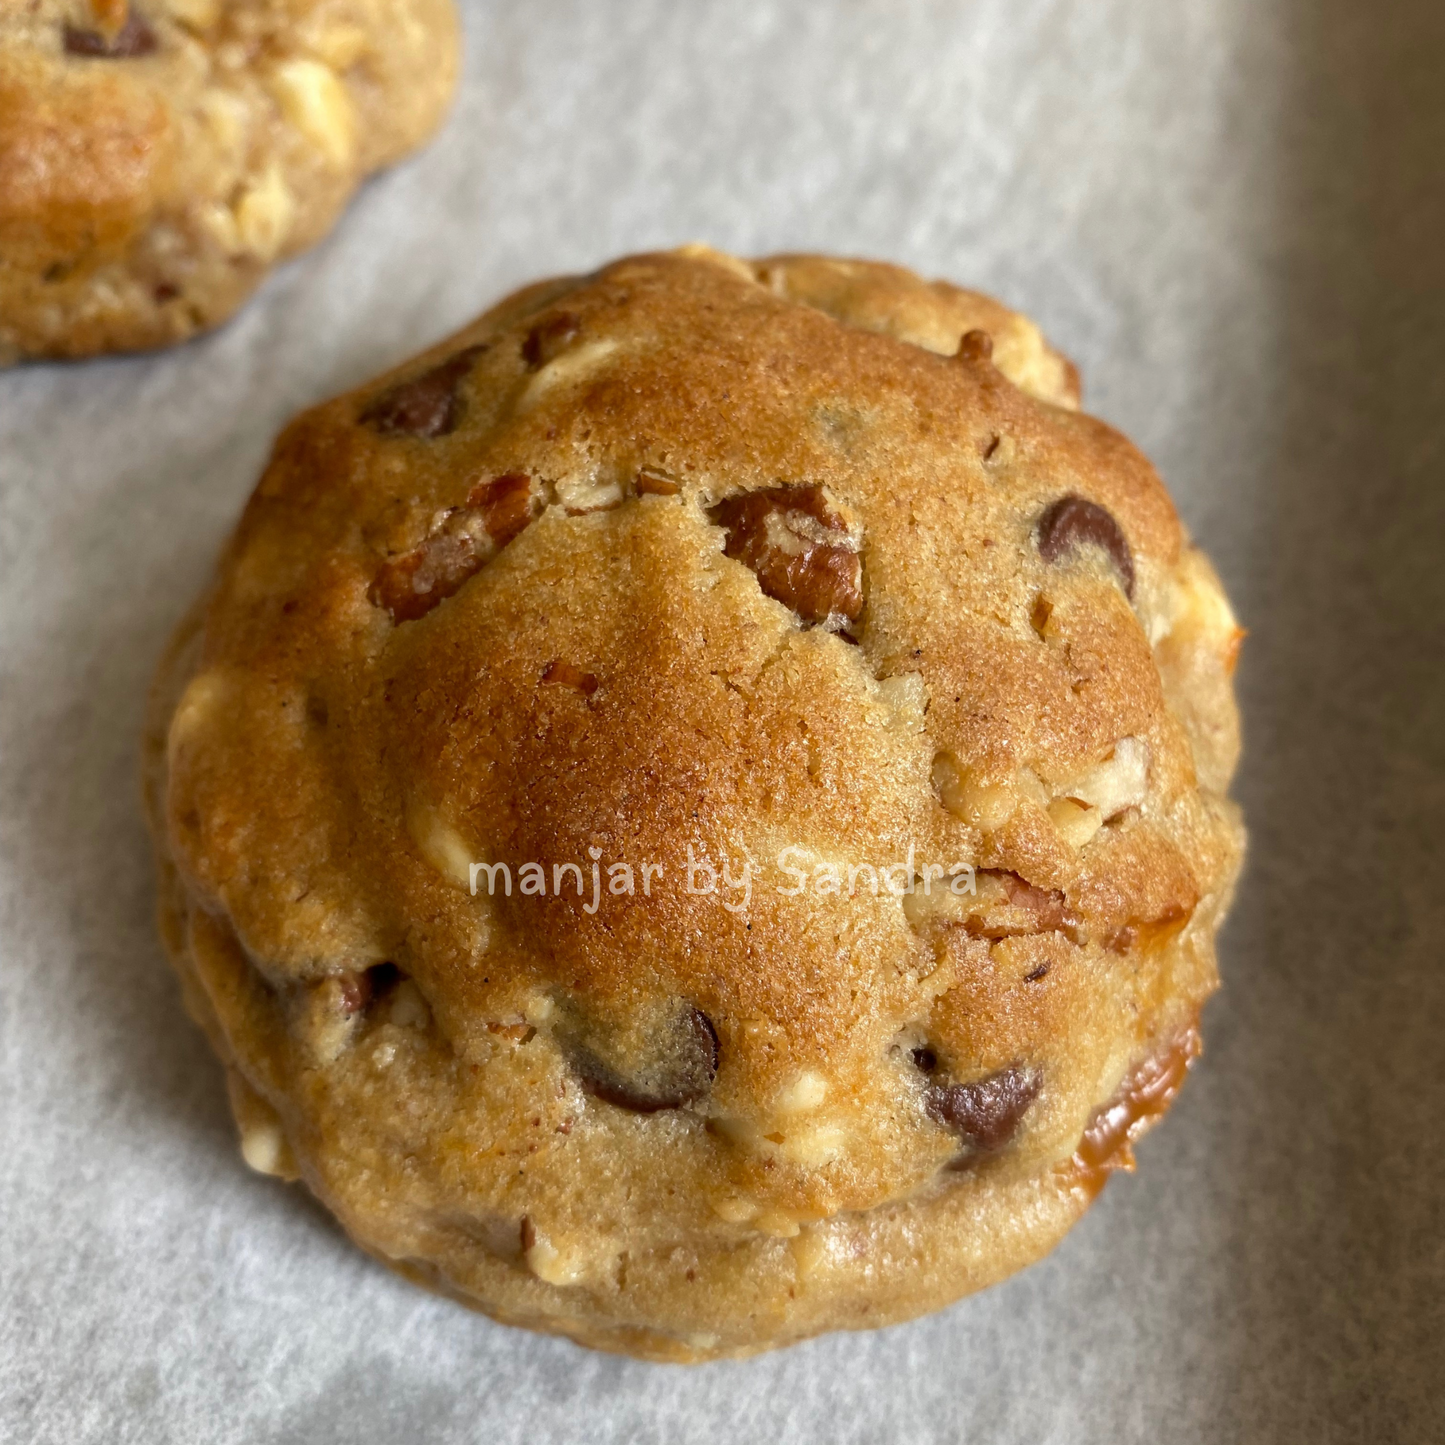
[158, 157]
[694, 812]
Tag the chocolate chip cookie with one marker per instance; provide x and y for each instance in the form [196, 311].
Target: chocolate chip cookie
[695, 812]
[158, 157]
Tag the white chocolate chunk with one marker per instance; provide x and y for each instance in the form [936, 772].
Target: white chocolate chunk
[263, 1147]
[805, 1092]
[1118, 783]
[571, 366]
[441, 845]
[263, 215]
[314, 101]
[988, 806]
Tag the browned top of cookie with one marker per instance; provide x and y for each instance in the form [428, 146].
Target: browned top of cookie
[701, 560]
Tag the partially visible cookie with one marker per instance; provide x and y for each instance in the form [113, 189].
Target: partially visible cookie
[157, 157]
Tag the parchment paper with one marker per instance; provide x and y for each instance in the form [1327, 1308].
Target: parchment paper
[1230, 212]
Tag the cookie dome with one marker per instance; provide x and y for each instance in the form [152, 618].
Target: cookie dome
[694, 812]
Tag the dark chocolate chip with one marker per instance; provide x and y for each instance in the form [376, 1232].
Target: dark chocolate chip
[134, 38]
[426, 406]
[985, 1114]
[925, 1059]
[683, 1075]
[549, 338]
[800, 548]
[1073, 521]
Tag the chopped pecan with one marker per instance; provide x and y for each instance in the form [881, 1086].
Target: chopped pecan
[1009, 906]
[462, 542]
[975, 347]
[801, 548]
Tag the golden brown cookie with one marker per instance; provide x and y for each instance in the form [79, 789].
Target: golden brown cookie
[157, 157]
[694, 812]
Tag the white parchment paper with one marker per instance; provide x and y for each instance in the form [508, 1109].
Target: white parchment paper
[1230, 212]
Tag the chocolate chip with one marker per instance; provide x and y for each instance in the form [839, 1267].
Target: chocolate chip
[985, 1114]
[925, 1059]
[975, 347]
[564, 674]
[426, 406]
[682, 1072]
[133, 39]
[801, 549]
[549, 338]
[1073, 521]
[467, 538]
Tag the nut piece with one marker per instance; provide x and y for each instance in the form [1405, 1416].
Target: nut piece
[803, 551]
[999, 905]
[1072, 522]
[133, 38]
[465, 539]
[681, 1072]
[985, 1114]
[426, 406]
[975, 347]
[654, 483]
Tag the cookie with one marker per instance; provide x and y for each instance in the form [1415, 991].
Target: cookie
[158, 157]
[695, 811]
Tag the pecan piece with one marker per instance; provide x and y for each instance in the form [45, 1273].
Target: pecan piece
[134, 38]
[985, 1114]
[801, 548]
[680, 1071]
[975, 347]
[654, 483]
[462, 542]
[427, 405]
[1074, 521]
[1010, 906]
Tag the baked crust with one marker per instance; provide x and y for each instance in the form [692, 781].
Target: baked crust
[506, 604]
[156, 161]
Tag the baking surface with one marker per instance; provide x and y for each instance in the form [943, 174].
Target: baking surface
[1229, 212]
